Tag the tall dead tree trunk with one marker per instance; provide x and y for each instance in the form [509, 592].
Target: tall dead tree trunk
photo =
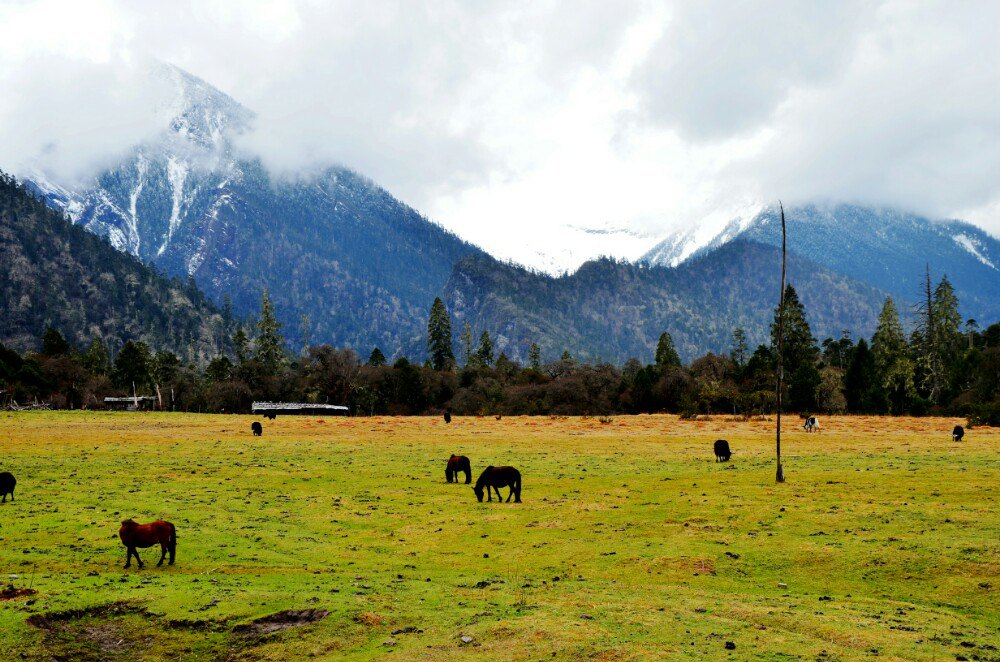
[780, 473]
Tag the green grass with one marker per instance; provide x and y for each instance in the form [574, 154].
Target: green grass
[631, 543]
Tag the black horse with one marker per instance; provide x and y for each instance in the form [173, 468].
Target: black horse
[722, 452]
[457, 464]
[957, 433]
[256, 428]
[496, 477]
[7, 483]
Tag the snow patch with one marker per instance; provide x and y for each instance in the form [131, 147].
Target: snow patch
[140, 165]
[973, 246]
[177, 172]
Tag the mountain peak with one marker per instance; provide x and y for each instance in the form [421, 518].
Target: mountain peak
[200, 113]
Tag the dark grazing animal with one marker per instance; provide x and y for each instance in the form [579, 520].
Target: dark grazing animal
[7, 483]
[722, 452]
[496, 477]
[811, 424]
[456, 464]
[447, 416]
[159, 532]
[257, 429]
[956, 434]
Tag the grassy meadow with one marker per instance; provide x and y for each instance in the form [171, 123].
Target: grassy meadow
[631, 543]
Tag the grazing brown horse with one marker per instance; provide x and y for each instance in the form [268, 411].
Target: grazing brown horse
[495, 478]
[159, 532]
[457, 463]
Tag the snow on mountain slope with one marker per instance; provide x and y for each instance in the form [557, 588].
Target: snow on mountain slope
[330, 245]
[884, 247]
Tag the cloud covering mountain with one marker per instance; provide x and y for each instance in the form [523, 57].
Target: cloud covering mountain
[512, 123]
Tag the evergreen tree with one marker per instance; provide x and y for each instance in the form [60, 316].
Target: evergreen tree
[891, 354]
[666, 355]
[466, 339]
[799, 345]
[535, 357]
[96, 358]
[219, 369]
[484, 353]
[861, 387]
[950, 340]
[241, 345]
[740, 347]
[377, 358]
[53, 343]
[132, 367]
[925, 343]
[439, 337]
[270, 345]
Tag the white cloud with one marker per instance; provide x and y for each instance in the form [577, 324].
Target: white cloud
[509, 122]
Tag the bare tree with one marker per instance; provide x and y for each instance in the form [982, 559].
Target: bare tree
[780, 474]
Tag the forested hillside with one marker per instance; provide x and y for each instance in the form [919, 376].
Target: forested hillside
[614, 310]
[55, 274]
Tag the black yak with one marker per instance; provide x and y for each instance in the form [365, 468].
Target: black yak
[7, 483]
[957, 433]
[447, 416]
[722, 452]
[257, 429]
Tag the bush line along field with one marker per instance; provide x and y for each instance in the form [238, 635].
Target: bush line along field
[631, 543]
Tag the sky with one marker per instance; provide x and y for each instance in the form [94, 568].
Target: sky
[546, 132]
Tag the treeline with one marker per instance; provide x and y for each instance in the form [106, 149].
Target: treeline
[945, 366]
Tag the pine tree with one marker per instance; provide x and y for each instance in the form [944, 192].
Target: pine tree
[53, 343]
[891, 354]
[377, 358]
[666, 355]
[740, 347]
[241, 344]
[799, 352]
[535, 357]
[927, 343]
[132, 366]
[466, 339]
[861, 387]
[439, 337]
[949, 325]
[799, 344]
[270, 345]
[96, 358]
[484, 353]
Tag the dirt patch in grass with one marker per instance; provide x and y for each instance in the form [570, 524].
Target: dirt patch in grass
[280, 621]
[98, 633]
[9, 592]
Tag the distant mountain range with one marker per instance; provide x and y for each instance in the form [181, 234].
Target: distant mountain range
[883, 247]
[348, 264]
[615, 310]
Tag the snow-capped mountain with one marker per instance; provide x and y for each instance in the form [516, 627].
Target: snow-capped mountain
[887, 248]
[343, 260]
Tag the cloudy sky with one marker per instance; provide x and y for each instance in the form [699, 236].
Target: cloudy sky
[521, 125]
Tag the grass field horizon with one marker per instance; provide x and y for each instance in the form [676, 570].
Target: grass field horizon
[631, 542]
